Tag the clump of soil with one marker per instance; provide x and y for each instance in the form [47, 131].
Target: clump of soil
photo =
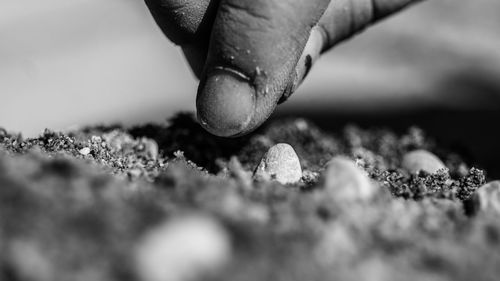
[75, 205]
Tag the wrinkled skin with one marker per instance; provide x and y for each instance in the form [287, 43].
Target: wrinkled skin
[251, 55]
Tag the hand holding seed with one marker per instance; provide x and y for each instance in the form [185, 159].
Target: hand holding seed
[250, 55]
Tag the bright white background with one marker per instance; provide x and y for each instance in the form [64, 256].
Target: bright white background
[72, 62]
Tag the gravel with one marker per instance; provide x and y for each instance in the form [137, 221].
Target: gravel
[108, 215]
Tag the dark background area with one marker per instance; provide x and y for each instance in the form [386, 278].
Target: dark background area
[473, 133]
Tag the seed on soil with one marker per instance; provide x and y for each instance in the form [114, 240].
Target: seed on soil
[280, 163]
[185, 248]
[486, 199]
[84, 151]
[343, 180]
[421, 160]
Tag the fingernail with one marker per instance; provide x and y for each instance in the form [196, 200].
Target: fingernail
[225, 103]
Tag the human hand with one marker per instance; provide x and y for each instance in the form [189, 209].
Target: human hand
[252, 54]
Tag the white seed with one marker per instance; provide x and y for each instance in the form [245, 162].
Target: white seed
[487, 198]
[280, 163]
[421, 160]
[345, 181]
[184, 249]
[84, 151]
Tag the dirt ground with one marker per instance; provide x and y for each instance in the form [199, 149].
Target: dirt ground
[171, 202]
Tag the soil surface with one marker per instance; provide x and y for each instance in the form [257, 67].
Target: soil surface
[79, 205]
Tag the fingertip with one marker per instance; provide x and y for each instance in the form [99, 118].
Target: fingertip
[263, 40]
[226, 103]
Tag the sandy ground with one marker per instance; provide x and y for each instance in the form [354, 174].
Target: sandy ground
[126, 204]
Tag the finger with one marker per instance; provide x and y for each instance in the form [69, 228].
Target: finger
[310, 55]
[254, 48]
[196, 55]
[345, 18]
[181, 20]
[187, 23]
[342, 19]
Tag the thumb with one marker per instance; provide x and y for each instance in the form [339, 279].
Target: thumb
[254, 48]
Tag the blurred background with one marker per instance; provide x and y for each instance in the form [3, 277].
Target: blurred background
[437, 65]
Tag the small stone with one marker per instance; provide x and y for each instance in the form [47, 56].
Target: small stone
[310, 177]
[150, 148]
[96, 139]
[134, 173]
[118, 140]
[3, 132]
[345, 181]
[485, 199]
[301, 124]
[422, 160]
[280, 163]
[186, 248]
[336, 240]
[84, 151]
[30, 261]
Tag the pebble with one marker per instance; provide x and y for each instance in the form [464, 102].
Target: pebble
[421, 160]
[117, 140]
[134, 173]
[29, 261]
[345, 181]
[84, 151]
[149, 148]
[486, 198]
[337, 240]
[185, 248]
[280, 163]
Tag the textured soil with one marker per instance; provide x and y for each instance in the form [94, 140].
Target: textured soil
[75, 205]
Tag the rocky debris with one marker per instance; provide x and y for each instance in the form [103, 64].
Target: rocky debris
[280, 163]
[84, 151]
[421, 160]
[470, 183]
[183, 249]
[485, 199]
[344, 181]
[107, 215]
[115, 150]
